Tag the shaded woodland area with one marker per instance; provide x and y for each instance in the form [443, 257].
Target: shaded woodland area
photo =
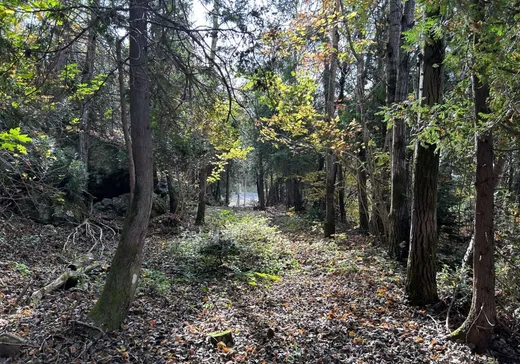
[380, 138]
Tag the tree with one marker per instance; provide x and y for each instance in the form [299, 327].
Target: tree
[421, 285]
[399, 229]
[481, 319]
[329, 226]
[118, 292]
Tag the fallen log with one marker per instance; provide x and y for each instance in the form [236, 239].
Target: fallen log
[10, 345]
[67, 280]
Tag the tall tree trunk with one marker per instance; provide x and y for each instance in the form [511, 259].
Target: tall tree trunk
[478, 326]
[421, 285]
[393, 49]
[260, 182]
[341, 195]
[364, 219]
[118, 292]
[330, 159]
[399, 229]
[124, 118]
[203, 182]
[171, 192]
[87, 76]
[228, 183]
[203, 175]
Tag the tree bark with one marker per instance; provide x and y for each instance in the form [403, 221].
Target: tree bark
[203, 182]
[480, 322]
[341, 195]
[421, 285]
[171, 193]
[228, 183]
[399, 229]
[87, 76]
[364, 218]
[329, 227]
[118, 292]
[124, 119]
[260, 182]
[392, 49]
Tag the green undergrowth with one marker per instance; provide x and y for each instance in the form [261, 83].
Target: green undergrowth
[244, 245]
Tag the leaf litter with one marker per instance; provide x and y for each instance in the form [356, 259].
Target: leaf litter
[323, 302]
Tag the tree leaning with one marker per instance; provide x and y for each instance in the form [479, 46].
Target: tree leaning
[118, 292]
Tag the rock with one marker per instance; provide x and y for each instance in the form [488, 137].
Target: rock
[221, 336]
[108, 169]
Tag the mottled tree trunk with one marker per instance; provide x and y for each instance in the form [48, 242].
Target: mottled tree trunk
[118, 292]
[399, 218]
[421, 285]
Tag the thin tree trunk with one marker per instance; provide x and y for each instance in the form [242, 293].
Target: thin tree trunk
[87, 76]
[364, 219]
[124, 119]
[399, 229]
[118, 292]
[341, 195]
[171, 193]
[421, 284]
[203, 182]
[228, 183]
[330, 159]
[260, 182]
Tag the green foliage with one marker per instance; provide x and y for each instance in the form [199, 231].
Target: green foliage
[22, 269]
[13, 140]
[154, 282]
[243, 243]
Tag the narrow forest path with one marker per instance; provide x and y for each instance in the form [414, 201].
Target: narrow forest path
[303, 300]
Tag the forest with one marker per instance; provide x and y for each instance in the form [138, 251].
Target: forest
[289, 181]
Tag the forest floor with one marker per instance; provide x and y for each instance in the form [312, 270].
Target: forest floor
[281, 292]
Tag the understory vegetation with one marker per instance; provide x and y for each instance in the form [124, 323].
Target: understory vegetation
[259, 181]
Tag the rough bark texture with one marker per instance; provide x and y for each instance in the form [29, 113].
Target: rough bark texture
[421, 285]
[124, 119]
[330, 159]
[399, 229]
[392, 49]
[479, 324]
[118, 292]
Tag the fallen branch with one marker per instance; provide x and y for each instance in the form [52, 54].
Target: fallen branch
[72, 274]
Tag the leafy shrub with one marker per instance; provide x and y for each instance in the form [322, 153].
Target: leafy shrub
[154, 282]
[241, 243]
